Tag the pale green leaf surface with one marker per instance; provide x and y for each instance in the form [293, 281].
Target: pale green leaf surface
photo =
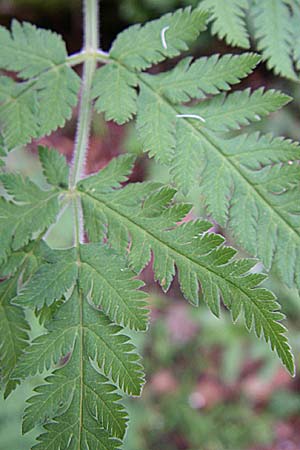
[104, 279]
[18, 108]
[80, 393]
[50, 282]
[114, 89]
[229, 20]
[140, 46]
[237, 109]
[40, 105]
[30, 50]
[273, 32]
[200, 260]
[34, 212]
[207, 75]
[155, 125]
[55, 167]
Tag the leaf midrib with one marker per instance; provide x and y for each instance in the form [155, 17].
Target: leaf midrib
[252, 302]
[134, 316]
[163, 243]
[228, 161]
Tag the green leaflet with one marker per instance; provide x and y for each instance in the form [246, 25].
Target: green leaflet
[242, 185]
[30, 50]
[156, 119]
[208, 75]
[13, 332]
[13, 324]
[42, 103]
[275, 25]
[139, 47]
[17, 112]
[57, 93]
[55, 167]
[30, 211]
[50, 282]
[2, 150]
[240, 108]
[142, 216]
[88, 402]
[229, 20]
[274, 35]
[112, 175]
[295, 30]
[59, 397]
[102, 278]
[114, 89]
[180, 137]
[157, 134]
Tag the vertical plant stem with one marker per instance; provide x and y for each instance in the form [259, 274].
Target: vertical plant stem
[91, 44]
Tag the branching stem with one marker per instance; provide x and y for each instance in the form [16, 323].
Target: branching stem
[91, 44]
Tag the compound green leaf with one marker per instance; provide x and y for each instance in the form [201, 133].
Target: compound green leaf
[94, 354]
[200, 258]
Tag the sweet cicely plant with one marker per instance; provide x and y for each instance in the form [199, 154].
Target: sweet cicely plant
[89, 294]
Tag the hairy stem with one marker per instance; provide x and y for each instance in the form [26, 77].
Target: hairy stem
[91, 44]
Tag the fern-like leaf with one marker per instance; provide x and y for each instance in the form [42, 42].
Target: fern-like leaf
[44, 101]
[17, 112]
[139, 47]
[29, 211]
[237, 109]
[150, 224]
[14, 327]
[229, 20]
[55, 167]
[114, 89]
[179, 136]
[203, 76]
[97, 352]
[274, 35]
[156, 118]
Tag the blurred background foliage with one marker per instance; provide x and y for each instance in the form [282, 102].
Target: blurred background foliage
[210, 385]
